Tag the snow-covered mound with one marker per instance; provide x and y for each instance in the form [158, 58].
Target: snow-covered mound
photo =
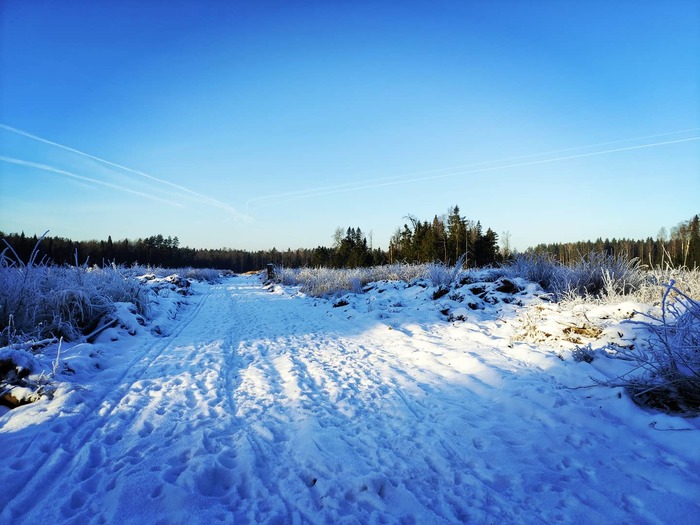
[404, 403]
[32, 370]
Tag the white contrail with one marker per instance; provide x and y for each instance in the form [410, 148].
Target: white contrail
[199, 196]
[45, 167]
[352, 186]
[392, 181]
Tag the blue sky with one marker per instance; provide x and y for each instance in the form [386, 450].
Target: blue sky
[268, 124]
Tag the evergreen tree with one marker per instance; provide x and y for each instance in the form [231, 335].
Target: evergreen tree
[694, 243]
[439, 240]
[486, 248]
[457, 234]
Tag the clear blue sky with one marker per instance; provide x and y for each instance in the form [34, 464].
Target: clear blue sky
[260, 124]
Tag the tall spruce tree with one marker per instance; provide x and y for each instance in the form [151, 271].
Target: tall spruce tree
[457, 234]
[694, 243]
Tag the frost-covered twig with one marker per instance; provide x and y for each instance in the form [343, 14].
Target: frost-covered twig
[670, 362]
[54, 370]
[33, 345]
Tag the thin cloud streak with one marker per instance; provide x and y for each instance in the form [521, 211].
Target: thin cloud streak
[349, 187]
[89, 180]
[198, 196]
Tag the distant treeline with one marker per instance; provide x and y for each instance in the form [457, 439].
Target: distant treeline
[156, 250]
[444, 239]
[680, 248]
[447, 238]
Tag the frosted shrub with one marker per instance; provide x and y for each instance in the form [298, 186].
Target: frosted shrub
[670, 363]
[541, 269]
[687, 281]
[199, 274]
[598, 274]
[441, 275]
[583, 354]
[399, 272]
[593, 275]
[285, 276]
[38, 301]
[329, 282]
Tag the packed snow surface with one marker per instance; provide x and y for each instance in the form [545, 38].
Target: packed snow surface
[252, 404]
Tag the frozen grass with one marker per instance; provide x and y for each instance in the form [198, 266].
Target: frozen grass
[686, 281]
[670, 361]
[667, 375]
[445, 276]
[42, 302]
[198, 274]
[541, 269]
[595, 276]
[598, 274]
[331, 282]
[601, 278]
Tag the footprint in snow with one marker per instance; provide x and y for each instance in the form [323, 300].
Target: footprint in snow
[479, 443]
[215, 481]
[172, 474]
[147, 429]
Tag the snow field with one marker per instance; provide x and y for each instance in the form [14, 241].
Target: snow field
[258, 405]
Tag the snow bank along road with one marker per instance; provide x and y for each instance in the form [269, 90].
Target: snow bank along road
[268, 407]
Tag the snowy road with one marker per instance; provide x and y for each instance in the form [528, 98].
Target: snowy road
[262, 407]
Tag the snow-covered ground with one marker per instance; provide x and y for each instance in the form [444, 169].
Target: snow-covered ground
[252, 404]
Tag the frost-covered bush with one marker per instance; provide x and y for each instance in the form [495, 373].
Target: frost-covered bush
[583, 354]
[322, 282]
[593, 275]
[687, 281]
[442, 275]
[330, 282]
[599, 274]
[542, 269]
[285, 276]
[398, 272]
[670, 362]
[40, 301]
[198, 274]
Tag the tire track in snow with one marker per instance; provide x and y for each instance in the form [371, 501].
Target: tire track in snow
[85, 424]
[270, 409]
[257, 395]
[189, 458]
[292, 398]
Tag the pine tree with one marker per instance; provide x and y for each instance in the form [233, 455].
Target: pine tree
[694, 243]
[457, 233]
